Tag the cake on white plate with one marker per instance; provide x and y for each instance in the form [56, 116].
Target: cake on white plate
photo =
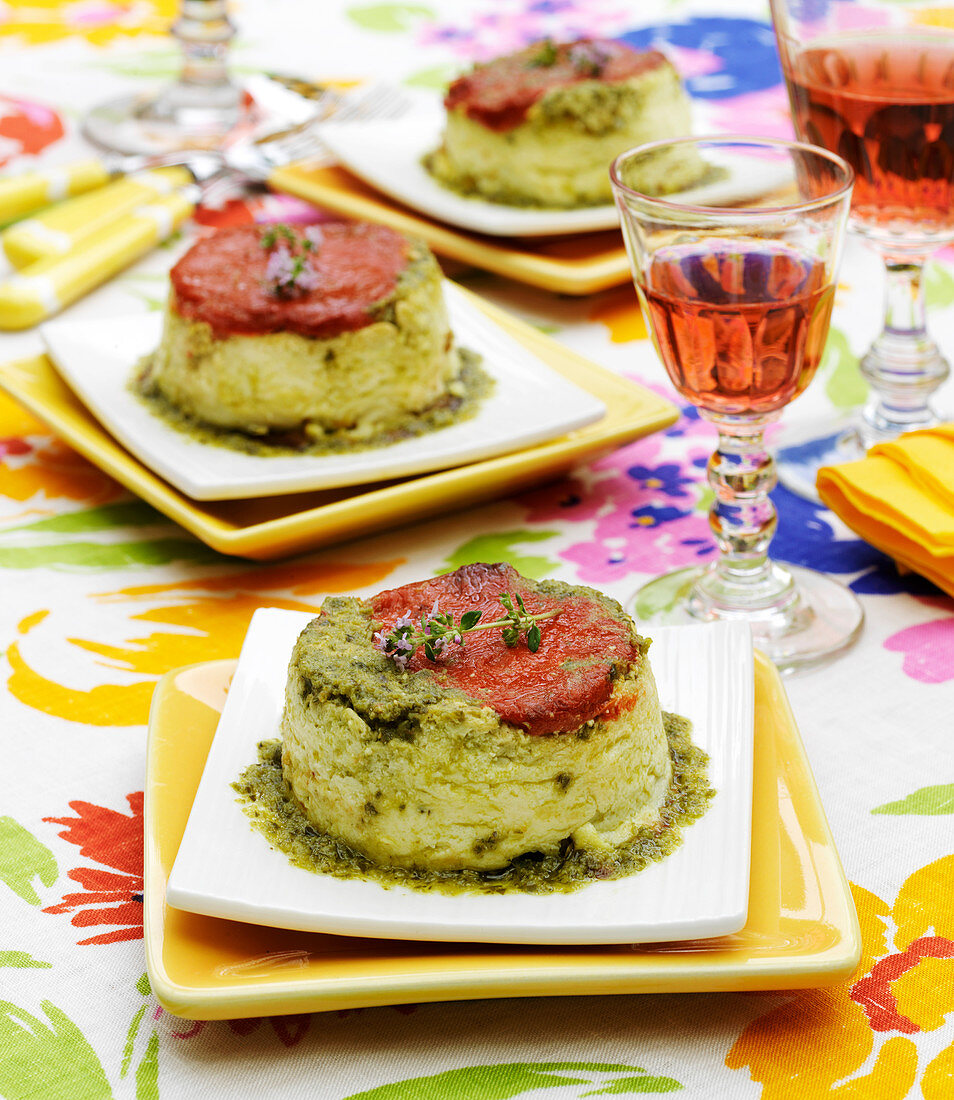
[482, 752]
[334, 333]
[540, 127]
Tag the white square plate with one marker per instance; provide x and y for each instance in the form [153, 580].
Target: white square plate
[530, 403]
[387, 155]
[224, 868]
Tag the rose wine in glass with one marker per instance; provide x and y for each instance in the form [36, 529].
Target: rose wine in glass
[739, 325]
[738, 299]
[880, 94]
[886, 104]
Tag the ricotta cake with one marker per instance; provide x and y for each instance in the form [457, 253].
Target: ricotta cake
[330, 332]
[516, 741]
[541, 127]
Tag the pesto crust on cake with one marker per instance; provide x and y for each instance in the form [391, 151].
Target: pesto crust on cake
[419, 768]
[370, 344]
[541, 127]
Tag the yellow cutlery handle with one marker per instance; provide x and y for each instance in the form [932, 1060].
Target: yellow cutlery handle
[45, 287]
[65, 226]
[22, 194]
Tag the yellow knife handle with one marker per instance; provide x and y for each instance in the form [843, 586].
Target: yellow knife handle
[65, 226]
[22, 194]
[44, 288]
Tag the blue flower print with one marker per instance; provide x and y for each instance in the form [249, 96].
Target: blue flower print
[652, 516]
[666, 478]
[745, 49]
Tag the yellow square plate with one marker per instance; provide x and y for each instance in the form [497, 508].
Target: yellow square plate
[802, 928]
[574, 264]
[270, 527]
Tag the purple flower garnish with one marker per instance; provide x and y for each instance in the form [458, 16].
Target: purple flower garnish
[315, 234]
[288, 272]
[436, 631]
[588, 58]
[280, 268]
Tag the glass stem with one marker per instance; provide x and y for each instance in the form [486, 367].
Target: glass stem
[742, 516]
[903, 366]
[204, 32]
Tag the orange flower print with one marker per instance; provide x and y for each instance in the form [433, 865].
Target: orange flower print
[619, 310]
[162, 626]
[820, 1044]
[26, 128]
[111, 894]
[53, 471]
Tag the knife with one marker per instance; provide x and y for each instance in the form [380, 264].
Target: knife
[65, 226]
[25, 192]
[46, 286]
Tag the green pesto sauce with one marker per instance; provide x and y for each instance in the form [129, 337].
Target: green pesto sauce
[474, 385]
[267, 800]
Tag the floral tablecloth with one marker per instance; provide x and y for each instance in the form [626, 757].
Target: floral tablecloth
[100, 595]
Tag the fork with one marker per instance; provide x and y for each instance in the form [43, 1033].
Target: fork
[254, 161]
[250, 157]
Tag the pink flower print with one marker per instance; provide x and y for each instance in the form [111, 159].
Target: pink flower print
[765, 113]
[510, 26]
[646, 539]
[646, 511]
[94, 15]
[692, 62]
[574, 498]
[849, 17]
[928, 650]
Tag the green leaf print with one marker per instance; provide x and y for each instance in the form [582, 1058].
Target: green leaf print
[662, 596]
[501, 547]
[388, 18]
[131, 1033]
[938, 286]
[436, 78]
[924, 802]
[104, 555]
[147, 1075]
[628, 1085]
[514, 1078]
[47, 1062]
[129, 513]
[22, 859]
[844, 385]
[22, 961]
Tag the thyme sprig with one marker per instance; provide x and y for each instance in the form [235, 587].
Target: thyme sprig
[588, 58]
[438, 630]
[288, 273]
[545, 56]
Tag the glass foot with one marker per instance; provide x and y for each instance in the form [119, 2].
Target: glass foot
[823, 618]
[179, 117]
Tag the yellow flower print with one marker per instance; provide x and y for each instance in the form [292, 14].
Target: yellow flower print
[200, 620]
[98, 21]
[814, 1045]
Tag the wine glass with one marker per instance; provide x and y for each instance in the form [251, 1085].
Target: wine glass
[738, 300]
[874, 82]
[204, 108]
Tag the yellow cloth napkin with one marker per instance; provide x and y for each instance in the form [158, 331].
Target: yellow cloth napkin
[900, 498]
